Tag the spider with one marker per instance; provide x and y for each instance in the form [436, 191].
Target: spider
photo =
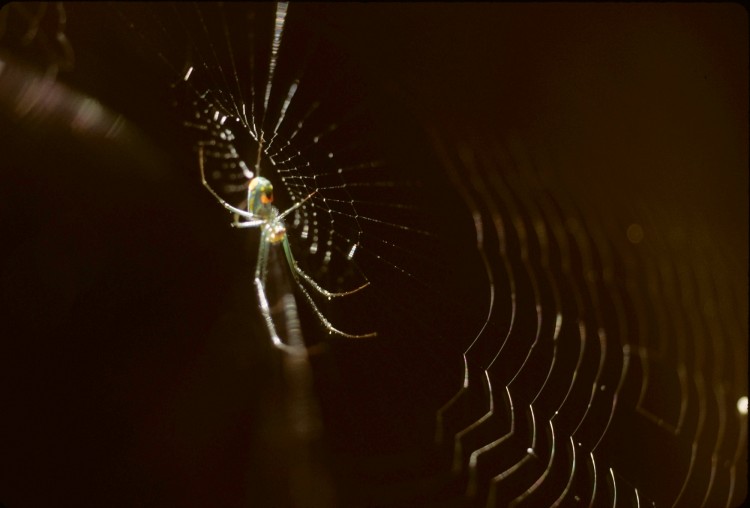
[262, 214]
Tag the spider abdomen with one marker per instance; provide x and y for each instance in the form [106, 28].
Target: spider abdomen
[276, 232]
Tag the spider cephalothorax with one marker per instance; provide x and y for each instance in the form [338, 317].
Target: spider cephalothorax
[259, 196]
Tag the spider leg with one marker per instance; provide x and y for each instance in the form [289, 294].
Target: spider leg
[327, 324]
[260, 288]
[238, 211]
[248, 224]
[298, 272]
[236, 223]
[295, 206]
[261, 264]
[266, 311]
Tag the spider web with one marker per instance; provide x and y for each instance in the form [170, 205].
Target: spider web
[602, 376]
[266, 94]
[604, 339]
[382, 212]
[550, 412]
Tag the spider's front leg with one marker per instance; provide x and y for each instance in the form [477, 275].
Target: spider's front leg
[247, 224]
[292, 208]
[234, 209]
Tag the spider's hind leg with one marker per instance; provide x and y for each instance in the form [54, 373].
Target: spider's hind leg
[261, 271]
[327, 324]
[298, 272]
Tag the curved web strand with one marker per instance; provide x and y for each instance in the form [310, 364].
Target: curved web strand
[604, 325]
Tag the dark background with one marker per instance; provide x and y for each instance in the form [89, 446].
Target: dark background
[133, 369]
